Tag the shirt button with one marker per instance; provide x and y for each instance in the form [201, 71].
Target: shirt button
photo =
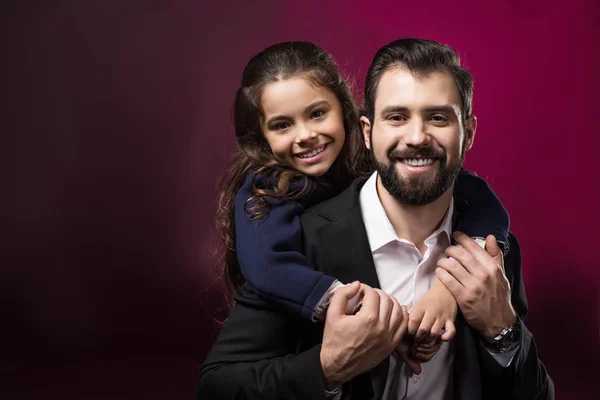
[415, 379]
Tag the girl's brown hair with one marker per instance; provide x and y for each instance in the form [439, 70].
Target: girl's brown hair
[278, 62]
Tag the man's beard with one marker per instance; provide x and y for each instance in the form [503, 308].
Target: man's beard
[419, 189]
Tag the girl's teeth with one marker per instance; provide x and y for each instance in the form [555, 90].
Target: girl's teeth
[312, 153]
[418, 162]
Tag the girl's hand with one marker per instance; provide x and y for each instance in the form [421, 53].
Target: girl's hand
[435, 311]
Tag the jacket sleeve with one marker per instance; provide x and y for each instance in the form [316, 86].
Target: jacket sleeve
[256, 356]
[270, 255]
[526, 377]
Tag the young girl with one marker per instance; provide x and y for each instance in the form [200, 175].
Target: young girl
[299, 143]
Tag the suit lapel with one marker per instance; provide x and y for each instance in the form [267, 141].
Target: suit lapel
[348, 258]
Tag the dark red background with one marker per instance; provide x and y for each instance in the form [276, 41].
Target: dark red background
[117, 121]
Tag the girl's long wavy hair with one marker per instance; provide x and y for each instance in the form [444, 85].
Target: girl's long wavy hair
[278, 62]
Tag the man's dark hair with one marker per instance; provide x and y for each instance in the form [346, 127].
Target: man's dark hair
[420, 57]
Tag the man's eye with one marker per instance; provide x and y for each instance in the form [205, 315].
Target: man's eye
[397, 118]
[439, 118]
[317, 114]
[281, 126]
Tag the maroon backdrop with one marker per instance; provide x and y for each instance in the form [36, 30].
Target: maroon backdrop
[117, 121]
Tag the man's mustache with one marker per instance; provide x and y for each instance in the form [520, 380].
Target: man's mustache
[423, 152]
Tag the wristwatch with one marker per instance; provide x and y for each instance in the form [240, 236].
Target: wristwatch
[510, 336]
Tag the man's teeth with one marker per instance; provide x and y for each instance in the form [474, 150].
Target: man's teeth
[417, 162]
[312, 153]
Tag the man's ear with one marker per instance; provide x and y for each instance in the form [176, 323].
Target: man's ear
[470, 131]
[366, 130]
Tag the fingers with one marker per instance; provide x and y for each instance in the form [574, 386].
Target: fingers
[454, 286]
[476, 253]
[426, 346]
[399, 334]
[402, 352]
[386, 305]
[450, 331]
[370, 303]
[414, 366]
[354, 304]
[404, 346]
[454, 268]
[463, 256]
[396, 316]
[494, 250]
[425, 351]
[436, 329]
[340, 298]
[425, 327]
[469, 244]
[425, 357]
[414, 319]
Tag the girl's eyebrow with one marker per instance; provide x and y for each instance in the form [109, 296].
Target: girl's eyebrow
[316, 104]
[309, 107]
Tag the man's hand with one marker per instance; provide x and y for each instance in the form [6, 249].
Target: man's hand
[353, 344]
[476, 279]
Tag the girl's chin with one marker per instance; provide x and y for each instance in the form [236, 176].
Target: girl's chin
[314, 172]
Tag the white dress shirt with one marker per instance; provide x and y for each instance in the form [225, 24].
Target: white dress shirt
[406, 274]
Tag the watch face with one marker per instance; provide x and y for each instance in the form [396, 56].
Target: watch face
[511, 337]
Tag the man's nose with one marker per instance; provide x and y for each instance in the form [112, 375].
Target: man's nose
[416, 134]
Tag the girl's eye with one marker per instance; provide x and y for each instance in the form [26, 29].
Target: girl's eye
[281, 126]
[317, 114]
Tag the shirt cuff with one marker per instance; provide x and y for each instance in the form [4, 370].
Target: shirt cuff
[323, 304]
[506, 357]
[335, 394]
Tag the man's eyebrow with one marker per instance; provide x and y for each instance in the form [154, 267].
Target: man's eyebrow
[393, 109]
[444, 109]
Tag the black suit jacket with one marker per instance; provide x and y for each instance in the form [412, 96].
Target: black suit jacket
[263, 353]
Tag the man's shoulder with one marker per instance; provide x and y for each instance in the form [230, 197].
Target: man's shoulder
[313, 213]
[314, 217]
[329, 210]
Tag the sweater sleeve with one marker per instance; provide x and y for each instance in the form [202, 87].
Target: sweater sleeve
[485, 213]
[269, 253]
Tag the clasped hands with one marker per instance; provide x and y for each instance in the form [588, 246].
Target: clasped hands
[356, 343]
[472, 279]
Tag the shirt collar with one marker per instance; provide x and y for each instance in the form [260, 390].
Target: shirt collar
[379, 228]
